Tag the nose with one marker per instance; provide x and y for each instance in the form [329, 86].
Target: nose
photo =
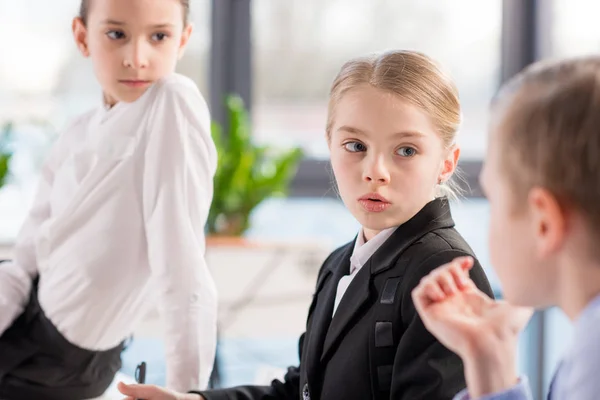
[136, 55]
[376, 170]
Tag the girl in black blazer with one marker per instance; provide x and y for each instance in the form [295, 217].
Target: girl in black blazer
[391, 131]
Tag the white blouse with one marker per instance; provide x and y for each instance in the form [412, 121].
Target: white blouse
[118, 227]
[361, 253]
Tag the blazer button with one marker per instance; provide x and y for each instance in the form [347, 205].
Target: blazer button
[305, 393]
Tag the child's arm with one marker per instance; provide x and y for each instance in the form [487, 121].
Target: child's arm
[180, 163]
[288, 389]
[16, 276]
[482, 331]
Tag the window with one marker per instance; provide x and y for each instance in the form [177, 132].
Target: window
[575, 29]
[299, 45]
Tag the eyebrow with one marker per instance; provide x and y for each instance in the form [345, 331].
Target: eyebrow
[357, 131]
[121, 23]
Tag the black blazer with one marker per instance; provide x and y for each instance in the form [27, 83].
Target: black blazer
[340, 357]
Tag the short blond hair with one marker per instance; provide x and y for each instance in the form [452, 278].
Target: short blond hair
[549, 125]
[414, 77]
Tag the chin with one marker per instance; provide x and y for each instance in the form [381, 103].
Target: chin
[130, 97]
[525, 298]
[376, 222]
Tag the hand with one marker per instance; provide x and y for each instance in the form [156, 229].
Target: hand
[152, 392]
[483, 332]
[462, 317]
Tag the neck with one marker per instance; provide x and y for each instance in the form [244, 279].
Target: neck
[369, 234]
[578, 286]
[109, 102]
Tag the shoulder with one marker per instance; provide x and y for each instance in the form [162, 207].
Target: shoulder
[178, 104]
[435, 249]
[440, 240]
[176, 101]
[176, 90]
[177, 84]
[586, 343]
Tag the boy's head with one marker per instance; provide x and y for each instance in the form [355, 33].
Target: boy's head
[131, 43]
[542, 178]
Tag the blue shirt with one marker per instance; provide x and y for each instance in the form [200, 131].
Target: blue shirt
[577, 376]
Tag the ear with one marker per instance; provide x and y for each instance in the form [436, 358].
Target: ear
[80, 36]
[549, 221]
[185, 38]
[449, 164]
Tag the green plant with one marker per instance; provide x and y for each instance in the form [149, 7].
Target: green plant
[246, 174]
[5, 153]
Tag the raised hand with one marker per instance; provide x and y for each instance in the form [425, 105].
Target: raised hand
[482, 331]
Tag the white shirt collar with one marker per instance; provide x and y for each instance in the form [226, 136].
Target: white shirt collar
[365, 250]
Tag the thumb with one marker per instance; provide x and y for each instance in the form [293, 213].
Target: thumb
[137, 391]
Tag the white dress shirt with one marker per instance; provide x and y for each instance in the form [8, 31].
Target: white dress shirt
[360, 255]
[118, 227]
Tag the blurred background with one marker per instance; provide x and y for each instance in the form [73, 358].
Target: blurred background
[280, 57]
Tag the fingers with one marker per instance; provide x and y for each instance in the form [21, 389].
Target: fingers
[443, 282]
[459, 269]
[137, 391]
[427, 292]
[465, 263]
[453, 277]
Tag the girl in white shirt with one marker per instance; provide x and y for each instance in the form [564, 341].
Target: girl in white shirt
[118, 221]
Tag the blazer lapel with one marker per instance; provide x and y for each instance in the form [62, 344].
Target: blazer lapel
[435, 215]
[355, 297]
[321, 316]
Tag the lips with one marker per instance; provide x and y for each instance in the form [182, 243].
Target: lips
[134, 82]
[374, 202]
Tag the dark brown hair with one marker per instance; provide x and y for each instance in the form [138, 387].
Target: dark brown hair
[548, 122]
[85, 8]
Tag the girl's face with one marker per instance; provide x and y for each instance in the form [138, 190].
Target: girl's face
[386, 156]
[132, 43]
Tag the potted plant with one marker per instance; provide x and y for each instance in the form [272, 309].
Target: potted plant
[5, 153]
[247, 173]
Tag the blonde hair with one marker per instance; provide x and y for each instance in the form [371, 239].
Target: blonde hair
[414, 77]
[549, 122]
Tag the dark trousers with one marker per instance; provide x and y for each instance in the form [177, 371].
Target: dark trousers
[37, 362]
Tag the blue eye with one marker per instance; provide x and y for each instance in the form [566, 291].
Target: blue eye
[159, 37]
[406, 151]
[115, 35]
[355, 147]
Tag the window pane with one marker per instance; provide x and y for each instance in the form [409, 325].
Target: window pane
[299, 45]
[43, 77]
[575, 28]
